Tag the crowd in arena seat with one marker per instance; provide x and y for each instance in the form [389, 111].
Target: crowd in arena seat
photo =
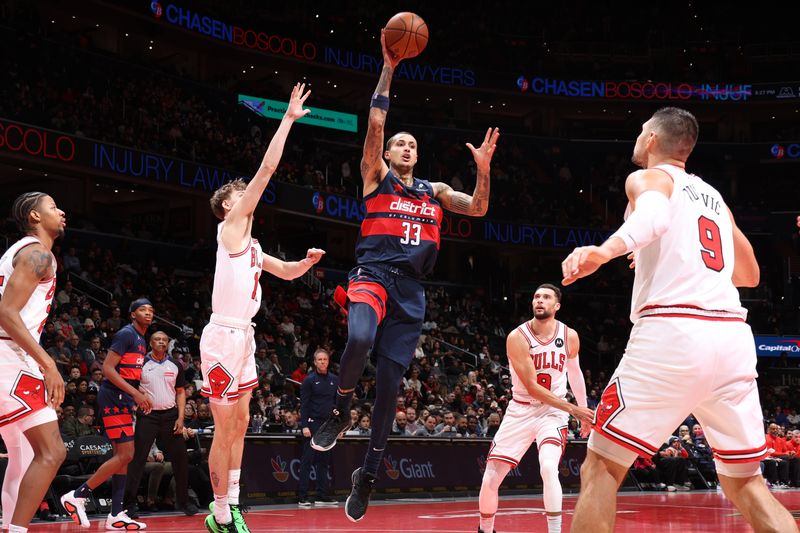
[142, 108]
[457, 386]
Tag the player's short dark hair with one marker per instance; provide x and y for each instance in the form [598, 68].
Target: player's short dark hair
[224, 193]
[21, 210]
[552, 287]
[394, 137]
[677, 129]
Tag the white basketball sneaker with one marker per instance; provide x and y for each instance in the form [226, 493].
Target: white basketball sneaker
[76, 507]
[122, 522]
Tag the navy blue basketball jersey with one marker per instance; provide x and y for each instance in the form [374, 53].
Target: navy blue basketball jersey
[401, 227]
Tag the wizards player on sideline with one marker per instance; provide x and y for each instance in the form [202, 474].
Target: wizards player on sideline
[117, 401]
[398, 244]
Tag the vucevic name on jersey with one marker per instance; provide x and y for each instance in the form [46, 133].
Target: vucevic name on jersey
[401, 227]
[687, 271]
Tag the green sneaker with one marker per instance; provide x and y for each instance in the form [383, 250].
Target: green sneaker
[237, 512]
[213, 527]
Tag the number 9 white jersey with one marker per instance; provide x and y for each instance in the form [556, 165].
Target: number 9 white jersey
[687, 271]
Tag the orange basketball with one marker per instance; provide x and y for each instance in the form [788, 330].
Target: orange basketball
[406, 35]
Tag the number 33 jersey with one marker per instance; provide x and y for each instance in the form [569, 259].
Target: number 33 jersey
[401, 227]
[687, 271]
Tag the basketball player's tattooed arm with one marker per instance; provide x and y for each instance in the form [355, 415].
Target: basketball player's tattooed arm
[519, 357]
[32, 265]
[373, 167]
[291, 269]
[746, 272]
[477, 204]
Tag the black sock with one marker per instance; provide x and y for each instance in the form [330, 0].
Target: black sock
[83, 491]
[343, 401]
[117, 493]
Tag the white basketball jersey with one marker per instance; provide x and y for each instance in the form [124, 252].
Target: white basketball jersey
[550, 359]
[689, 267]
[35, 312]
[237, 292]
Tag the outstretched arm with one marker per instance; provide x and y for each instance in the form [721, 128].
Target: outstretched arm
[373, 167]
[648, 194]
[293, 269]
[247, 205]
[477, 204]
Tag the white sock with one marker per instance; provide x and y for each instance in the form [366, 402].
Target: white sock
[233, 486]
[17, 529]
[222, 511]
[554, 524]
[487, 524]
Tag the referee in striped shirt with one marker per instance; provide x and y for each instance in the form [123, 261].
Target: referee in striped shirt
[162, 379]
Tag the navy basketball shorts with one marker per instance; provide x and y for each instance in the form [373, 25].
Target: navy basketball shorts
[116, 410]
[399, 301]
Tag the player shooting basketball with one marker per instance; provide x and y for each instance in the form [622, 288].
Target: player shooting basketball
[397, 245]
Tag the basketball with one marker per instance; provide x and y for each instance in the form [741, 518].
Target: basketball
[406, 35]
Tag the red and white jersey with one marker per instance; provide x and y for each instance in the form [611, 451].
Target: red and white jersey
[237, 292]
[35, 312]
[687, 271]
[550, 360]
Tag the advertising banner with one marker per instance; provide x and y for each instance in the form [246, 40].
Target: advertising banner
[774, 346]
[272, 465]
[31, 142]
[324, 118]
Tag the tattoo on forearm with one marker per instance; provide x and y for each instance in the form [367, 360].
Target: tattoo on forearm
[214, 479]
[383, 81]
[41, 263]
[460, 203]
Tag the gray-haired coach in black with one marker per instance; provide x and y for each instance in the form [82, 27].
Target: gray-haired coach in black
[162, 380]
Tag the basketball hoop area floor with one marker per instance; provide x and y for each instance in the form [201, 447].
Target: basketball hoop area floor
[684, 512]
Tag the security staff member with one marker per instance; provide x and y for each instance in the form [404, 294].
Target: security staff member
[317, 395]
[162, 379]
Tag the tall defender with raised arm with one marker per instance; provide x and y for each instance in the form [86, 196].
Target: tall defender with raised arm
[227, 346]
